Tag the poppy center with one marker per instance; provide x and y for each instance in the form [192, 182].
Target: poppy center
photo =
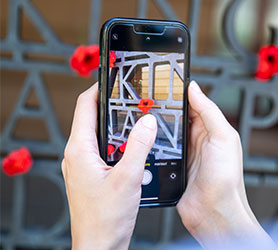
[87, 58]
[145, 103]
[270, 59]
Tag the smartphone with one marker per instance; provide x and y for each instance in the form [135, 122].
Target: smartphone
[144, 68]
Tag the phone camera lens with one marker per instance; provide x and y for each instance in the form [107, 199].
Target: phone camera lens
[115, 36]
[180, 40]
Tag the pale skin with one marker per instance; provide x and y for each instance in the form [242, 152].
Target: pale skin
[104, 201]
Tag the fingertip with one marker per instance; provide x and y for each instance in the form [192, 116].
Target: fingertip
[212, 117]
[193, 86]
[144, 131]
[92, 91]
[149, 121]
[195, 96]
[88, 95]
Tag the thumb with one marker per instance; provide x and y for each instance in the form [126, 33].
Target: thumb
[211, 116]
[139, 144]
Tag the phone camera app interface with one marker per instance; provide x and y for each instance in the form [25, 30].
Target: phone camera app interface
[148, 83]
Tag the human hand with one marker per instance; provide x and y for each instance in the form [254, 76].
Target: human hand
[214, 207]
[103, 201]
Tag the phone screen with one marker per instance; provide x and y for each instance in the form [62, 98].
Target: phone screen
[149, 80]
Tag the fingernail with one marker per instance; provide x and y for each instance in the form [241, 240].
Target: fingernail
[149, 121]
[194, 86]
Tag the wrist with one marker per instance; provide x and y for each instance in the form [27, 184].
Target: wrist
[230, 223]
[223, 227]
[99, 239]
[89, 242]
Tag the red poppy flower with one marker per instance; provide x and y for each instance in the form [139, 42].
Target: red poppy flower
[145, 105]
[86, 59]
[122, 147]
[111, 149]
[17, 162]
[268, 63]
[112, 59]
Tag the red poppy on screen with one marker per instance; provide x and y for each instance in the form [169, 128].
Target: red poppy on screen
[112, 59]
[145, 105]
[85, 59]
[17, 162]
[122, 147]
[111, 149]
[268, 63]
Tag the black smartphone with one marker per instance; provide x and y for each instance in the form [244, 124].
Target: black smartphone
[144, 68]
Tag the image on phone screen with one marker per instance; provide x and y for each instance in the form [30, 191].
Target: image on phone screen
[148, 83]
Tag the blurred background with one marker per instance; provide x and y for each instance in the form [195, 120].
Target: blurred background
[39, 91]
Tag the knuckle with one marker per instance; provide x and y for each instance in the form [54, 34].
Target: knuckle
[63, 167]
[228, 135]
[69, 151]
[234, 135]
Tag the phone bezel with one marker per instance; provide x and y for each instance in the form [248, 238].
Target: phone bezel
[103, 94]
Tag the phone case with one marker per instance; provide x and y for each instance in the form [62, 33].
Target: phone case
[103, 92]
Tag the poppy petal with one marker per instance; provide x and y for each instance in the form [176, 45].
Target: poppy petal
[122, 147]
[85, 59]
[111, 149]
[17, 162]
[145, 105]
[267, 63]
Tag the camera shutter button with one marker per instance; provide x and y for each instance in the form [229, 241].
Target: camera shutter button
[147, 177]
